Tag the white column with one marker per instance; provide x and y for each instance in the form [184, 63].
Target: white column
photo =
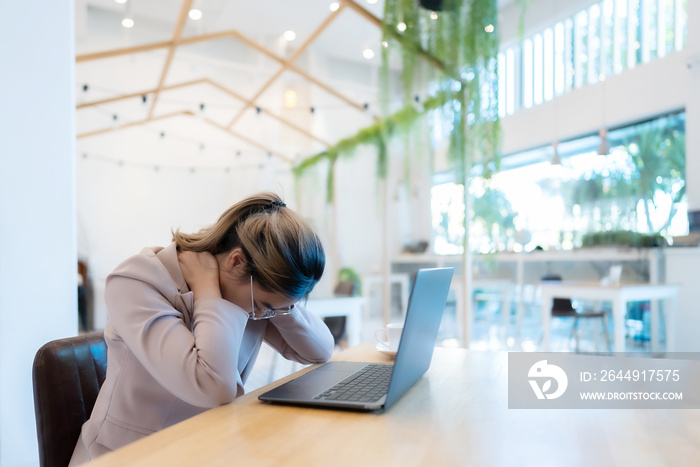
[692, 122]
[38, 259]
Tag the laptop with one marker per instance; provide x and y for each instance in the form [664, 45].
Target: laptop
[376, 386]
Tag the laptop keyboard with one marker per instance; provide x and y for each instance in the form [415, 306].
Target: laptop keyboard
[366, 385]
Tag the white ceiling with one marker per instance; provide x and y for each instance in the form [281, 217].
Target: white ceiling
[334, 59]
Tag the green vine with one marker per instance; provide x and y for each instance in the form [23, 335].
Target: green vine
[459, 47]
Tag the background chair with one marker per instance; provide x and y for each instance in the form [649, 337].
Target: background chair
[563, 308]
[336, 324]
[67, 375]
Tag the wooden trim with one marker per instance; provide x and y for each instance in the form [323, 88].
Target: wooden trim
[134, 123]
[179, 26]
[287, 63]
[326, 88]
[437, 63]
[139, 94]
[123, 51]
[248, 140]
[270, 114]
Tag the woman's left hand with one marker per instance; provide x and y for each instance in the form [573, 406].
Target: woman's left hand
[201, 271]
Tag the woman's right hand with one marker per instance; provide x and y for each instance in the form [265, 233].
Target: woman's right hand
[201, 271]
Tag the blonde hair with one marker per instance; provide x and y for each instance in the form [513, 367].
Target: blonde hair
[283, 252]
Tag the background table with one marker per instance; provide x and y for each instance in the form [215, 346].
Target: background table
[350, 307]
[619, 295]
[457, 415]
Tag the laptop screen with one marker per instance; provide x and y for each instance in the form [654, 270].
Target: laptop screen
[423, 316]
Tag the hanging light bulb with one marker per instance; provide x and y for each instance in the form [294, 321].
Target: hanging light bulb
[290, 98]
[604, 146]
[556, 159]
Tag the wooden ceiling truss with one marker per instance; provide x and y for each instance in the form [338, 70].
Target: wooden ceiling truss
[177, 40]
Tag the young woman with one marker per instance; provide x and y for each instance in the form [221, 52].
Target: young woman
[185, 322]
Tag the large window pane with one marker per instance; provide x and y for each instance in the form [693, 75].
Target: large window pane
[548, 57]
[606, 38]
[527, 74]
[649, 29]
[581, 48]
[559, 61]
[510, 81]
[634, 35]
[637, 188]
[593, 44]
[569, 55]
[620, 38]
[538, 68]
[502, 85]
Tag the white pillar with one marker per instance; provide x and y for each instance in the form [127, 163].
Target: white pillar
[692, 123]
[38, 260]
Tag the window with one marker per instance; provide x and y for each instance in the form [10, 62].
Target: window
[607, 38]
[557, 206]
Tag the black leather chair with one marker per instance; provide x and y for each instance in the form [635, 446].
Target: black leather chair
[563, 308]
[67, 375]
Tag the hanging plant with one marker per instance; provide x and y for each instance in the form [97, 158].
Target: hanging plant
[455, 50]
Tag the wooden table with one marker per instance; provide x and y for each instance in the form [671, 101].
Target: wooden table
[457, 415]
[619, 295]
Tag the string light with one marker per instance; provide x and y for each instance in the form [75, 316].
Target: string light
[368, 54]
[192, 169]
[334, 6]
[401, 26]
[433, 15]
[489, 28]
[289, 36]
[128, 22]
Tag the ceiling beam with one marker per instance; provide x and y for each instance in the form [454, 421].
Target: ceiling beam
[212, 83]
[188, 113]
[268, 113]
[399, 37]
[249, 141]
[285, 65]
[134, 123]
[214, 36]
[139, 94]
[179, 26]
[122, 51]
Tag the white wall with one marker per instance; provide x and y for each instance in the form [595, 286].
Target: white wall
[37, 206]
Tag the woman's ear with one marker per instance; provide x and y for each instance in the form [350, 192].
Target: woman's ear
[234, 262]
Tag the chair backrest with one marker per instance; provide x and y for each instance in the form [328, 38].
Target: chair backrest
[67, 375]
[344, 289]
[558, 304]
[336, 324]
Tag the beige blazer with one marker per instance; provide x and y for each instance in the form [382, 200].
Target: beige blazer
[170, 358]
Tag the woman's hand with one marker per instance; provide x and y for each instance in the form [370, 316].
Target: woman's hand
[201, 271]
